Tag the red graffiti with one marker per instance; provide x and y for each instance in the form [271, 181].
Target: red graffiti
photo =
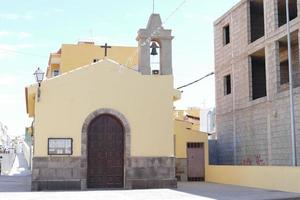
[257, 160]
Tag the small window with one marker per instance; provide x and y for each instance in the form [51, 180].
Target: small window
[227, 85]
[55, 72]
[226, 35]
[95, 60]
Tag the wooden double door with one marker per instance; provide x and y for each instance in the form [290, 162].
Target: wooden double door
[105, 167]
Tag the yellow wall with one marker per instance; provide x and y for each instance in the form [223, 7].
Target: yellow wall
[193, 112]
[182, 115]
[179, 114]
[146, 102]
[183, 135]
[30, 93]
[266, 177]
[74, 56]
[51, 69]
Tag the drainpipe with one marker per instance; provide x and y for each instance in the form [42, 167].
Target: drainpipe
[292, 111]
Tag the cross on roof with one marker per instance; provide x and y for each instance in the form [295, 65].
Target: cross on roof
[105, 47]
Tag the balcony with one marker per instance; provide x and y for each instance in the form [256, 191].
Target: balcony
[55, 58]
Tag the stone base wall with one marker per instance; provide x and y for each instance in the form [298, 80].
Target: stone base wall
[150, 172]
[58, 173]
[181, 169]
[69, 173]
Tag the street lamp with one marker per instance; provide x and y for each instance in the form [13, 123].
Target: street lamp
[0, 164]
[39, 76]
[292, 109]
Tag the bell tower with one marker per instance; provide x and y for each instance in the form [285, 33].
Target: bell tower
[155, 33]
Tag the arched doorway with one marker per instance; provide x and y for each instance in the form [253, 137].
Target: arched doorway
[105, 155]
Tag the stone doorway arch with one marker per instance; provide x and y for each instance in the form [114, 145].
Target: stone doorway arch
[84, 139]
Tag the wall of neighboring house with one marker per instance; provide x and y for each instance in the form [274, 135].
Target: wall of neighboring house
[28, 147]
[72, 56]
[184, 134]
[7, 162]
[251, 130]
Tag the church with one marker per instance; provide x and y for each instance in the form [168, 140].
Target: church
[106, 122]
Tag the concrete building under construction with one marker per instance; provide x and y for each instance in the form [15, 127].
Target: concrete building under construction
[252, 83]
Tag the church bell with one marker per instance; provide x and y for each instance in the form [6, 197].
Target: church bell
[154, 49]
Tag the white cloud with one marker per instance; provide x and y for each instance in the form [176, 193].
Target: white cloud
[20, 35]
[8, 79]
[7, 50]
[23, 35]
[14, 16]
[4, 33]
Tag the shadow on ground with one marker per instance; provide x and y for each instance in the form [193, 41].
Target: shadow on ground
[230, 192]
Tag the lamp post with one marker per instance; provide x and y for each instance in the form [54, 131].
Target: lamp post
[0, 164]
[39, 76]
[292, 112]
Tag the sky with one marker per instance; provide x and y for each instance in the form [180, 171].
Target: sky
[30, 30]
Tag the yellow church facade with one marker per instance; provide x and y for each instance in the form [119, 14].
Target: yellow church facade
[108, 124]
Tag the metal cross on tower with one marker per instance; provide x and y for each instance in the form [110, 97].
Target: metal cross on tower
[105, 47]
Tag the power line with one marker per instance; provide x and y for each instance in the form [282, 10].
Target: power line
[196, 81]
[174, 11]
[24, 53]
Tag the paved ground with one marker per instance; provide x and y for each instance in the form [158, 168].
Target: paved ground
[17, 186]
[7, 162]
[19, 178]
[228, 192]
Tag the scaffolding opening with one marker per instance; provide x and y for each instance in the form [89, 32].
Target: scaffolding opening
[257, 21]
[258, 75]
[281, 10]
[283, 60]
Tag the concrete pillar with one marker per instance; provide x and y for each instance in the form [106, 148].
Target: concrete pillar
[166, 57]
[271, 22]
[143, 60]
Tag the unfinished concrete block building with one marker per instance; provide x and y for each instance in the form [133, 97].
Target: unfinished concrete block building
[252, 82]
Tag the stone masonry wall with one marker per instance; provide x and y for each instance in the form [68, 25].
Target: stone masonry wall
[255, 132]
[70, 173]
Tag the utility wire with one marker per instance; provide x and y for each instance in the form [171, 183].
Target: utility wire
[174, 11]
[24, 53]
[196, 81]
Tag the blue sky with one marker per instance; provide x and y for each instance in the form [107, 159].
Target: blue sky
[34, 28]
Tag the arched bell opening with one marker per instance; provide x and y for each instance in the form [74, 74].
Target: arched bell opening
[155, 57]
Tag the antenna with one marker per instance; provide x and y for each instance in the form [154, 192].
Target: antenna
[153, 6]
[91, 34]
